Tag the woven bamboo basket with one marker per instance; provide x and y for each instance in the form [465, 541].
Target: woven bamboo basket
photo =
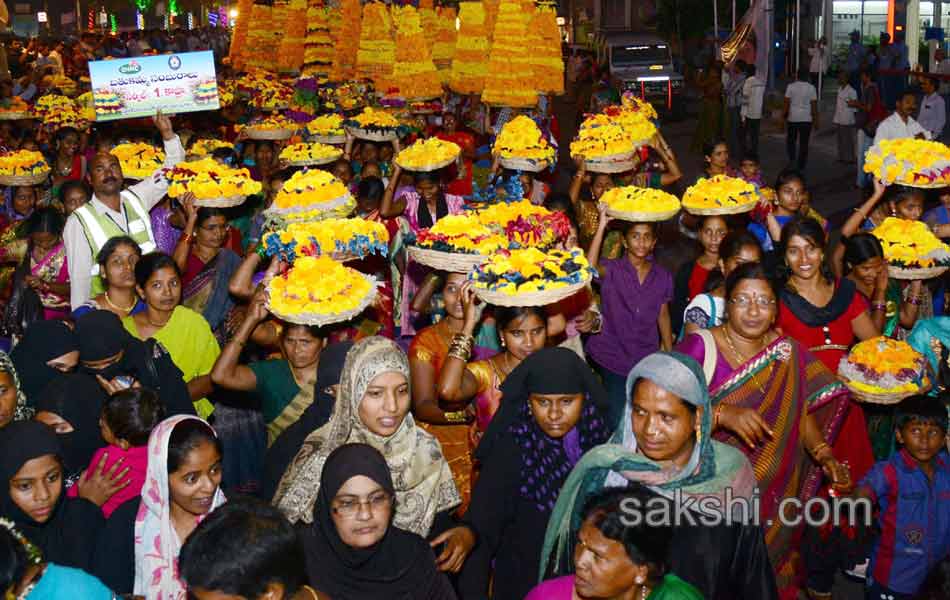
[871, 398]
[24, 179]
[928, 273]
[15, 116]
[530, 165]
[372, 136]
[452, 262]
[721, 210]
[331, 140]
[323, 206]
[227, 202]
[316, 162]
[539, 298]
[269, 134]
[641, 217]
[430, 167]
[616, 163]
[322, 319]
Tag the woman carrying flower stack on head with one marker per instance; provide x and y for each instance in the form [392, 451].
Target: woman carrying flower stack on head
[461, 182]
[635, 297]
[422, 205]
[774, 402]
[585, 192]
[428, 354]
[532, 188]
[68, 164]
[651, 173]
[522, 331]
[691, 278]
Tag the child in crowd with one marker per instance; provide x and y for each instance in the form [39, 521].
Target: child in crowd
[911, 491]
[126, 421]
[750, 170]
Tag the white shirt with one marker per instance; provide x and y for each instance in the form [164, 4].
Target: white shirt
[819, 60]
[894, 127]
[844, 114]
[753, 93]
[933, 114]
[78, 254]
[800, 95]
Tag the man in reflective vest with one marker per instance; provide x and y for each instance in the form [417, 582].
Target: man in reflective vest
[114, 212]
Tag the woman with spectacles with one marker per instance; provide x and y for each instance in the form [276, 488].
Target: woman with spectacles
[355, 548]
[207, 266]
[776, 403]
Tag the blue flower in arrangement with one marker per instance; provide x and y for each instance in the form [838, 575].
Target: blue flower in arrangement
[509, 191]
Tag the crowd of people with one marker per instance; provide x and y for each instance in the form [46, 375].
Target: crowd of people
[163, 435]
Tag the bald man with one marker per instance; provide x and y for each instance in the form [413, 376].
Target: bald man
[114, 211]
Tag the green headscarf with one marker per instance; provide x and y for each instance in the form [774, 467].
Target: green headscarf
[712, 468]
[22, 412]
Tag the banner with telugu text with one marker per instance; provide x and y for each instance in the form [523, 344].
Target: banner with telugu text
[128, 88]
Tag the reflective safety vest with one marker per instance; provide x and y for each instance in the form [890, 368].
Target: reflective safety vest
[99, 228]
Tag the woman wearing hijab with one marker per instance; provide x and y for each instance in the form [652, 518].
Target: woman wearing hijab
[13, 406]
[355, 549]
[288, 444]
[71, 406]
[664, 443]
[372, 408]
[182, 487]
[553, 410]
[48, 349]
[33, 497]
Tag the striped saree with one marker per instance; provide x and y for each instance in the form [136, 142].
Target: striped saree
[783, 384]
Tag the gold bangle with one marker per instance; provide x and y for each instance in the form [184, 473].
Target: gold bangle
[819, 447]
[458, 416]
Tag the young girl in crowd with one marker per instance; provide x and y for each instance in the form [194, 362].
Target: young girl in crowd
[126, 422]
[691, 278]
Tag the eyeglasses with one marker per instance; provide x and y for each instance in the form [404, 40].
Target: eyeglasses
[746, 301]
[349, 506]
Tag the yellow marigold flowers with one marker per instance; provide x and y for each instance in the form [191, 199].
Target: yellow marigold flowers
[632, 199]
[504, 212]
[310, 188]
[882, 365]
[302, 154]
[138, 160]
[521, 138]
[203, 148]
[428, 154]
[909, 161]
[208, 179]
[318, 286]
[531, 270]
[326, 125]
[338, 238]
[721, 193]
[463, 233]
[910, 244]
[52, 103]
[272, 123]
[373, 118]
[22, 163]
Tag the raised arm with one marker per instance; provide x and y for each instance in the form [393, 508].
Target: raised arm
[183, 247]
[593, 253]
[227, 372]
[456, 383]
[390, 207]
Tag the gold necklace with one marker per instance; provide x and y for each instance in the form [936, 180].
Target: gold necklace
[116, 306]
[154, 324]
[732, 346]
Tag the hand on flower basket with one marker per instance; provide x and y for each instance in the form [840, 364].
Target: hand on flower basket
[472, 307]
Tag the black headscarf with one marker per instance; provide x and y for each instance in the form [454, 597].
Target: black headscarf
[101, 335]
[546, 462]
[289, 442]
[43, 341]
[78, 399]
[68, 536]
[400, 566]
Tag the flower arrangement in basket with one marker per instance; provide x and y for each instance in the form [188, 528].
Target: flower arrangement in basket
[138, 160]
[23, 167]
[107, 102]
[720, 195]
[50, 103]
[14, 108]
[206, 147]
[909, 161]
[883, 370]
[274, 127]
[206, 92]
[341, 239]
[631, 203]
[212, 183]
[272, 95]
[521, 146]
[911, 250]
[67, 117]
[609, 140]
[458, 242]
[304, 154]
[374, 125]
[311, 194]
[428, 155]
[531, 277]
[327, 129]
[318, 290]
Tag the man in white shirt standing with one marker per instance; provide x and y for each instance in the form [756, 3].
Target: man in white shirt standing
[819, 60]
[800, 114]
[113, 212]
[844, 118]
[753, 94]
[901, 124]
[933, 110]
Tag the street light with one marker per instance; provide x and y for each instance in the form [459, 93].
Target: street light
[234, 13]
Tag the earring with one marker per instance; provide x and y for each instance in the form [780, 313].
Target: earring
[699, 435]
